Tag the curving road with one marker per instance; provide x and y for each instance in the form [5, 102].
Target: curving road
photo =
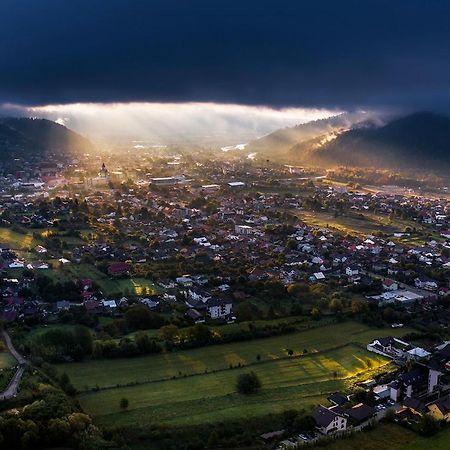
[11, 390]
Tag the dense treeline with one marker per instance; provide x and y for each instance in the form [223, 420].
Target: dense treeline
[53, 292]
[49, 421]
[126, 348]
[200, 335]
[59, 344]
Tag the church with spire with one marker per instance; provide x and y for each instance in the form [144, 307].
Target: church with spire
[102, 179]
[104, 172]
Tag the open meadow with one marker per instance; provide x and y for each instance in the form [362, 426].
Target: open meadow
[195, 386]
[365, 223]
[357, 222]
[287, 383]
[110, 372]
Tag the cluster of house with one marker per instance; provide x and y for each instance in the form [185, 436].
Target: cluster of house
[424, 387]
[422, 209]
[241, 229]
[418, 388]
[200, 304]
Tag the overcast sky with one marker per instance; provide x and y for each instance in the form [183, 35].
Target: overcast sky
[320, 53]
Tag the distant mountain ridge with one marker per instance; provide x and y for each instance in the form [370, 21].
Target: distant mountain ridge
[278, 143]
[419, 140]
[20, 135]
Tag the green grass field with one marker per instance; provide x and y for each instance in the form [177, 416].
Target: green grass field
[392, 437]
[6, 360]
[332, 360]
[109, 286]
[287, 383]
[357, 223]
[17, 241]
[364, 223]
[147, 368]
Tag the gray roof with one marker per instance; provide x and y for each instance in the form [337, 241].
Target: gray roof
[338, 398]
[324, 416]
[361, 412]
[413, 403]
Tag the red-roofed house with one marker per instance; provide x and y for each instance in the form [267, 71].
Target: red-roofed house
[118, 269]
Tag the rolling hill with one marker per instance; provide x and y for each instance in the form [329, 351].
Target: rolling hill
[277, 144]
[19, 136]
[417, 141]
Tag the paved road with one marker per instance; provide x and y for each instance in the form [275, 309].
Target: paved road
[11, 390]
[14, 352]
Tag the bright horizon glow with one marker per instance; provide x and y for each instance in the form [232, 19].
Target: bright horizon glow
[171, 122]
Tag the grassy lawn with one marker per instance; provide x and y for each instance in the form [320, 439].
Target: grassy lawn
[154, 367]
[393, 437]
[331, 362]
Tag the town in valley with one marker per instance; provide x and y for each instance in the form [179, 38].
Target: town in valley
[224, 225]
[144, 285]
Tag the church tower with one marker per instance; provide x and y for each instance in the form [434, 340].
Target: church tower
[103, 172]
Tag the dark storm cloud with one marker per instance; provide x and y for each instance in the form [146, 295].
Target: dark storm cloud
[323, 53]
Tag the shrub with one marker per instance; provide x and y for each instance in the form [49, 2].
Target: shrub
[248, 383]
[124, 403]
